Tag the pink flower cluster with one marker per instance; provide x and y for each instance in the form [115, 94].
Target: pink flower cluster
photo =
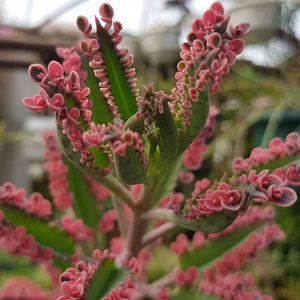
[57, 172]
[15, 241]
[65, 93]
[61, 86]
[75, 280]
[185, 278]
[91, 48]
[224, 279]
[254, 215]
[194, 154]
[206, 57]
[26, 290]
[100, 192]
[234, 195]
[125, 291]
[277, 149]
[35, 204]
[77, 229]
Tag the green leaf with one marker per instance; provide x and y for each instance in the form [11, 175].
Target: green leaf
[107, 278]
[130, 168]
[163, 262]
[101, 113]
[121, 90]
[168, 184]
[75, 157]
[45, 235]
[85, 204]
[216, 248]
[191, 294]
[197, 121]
[213, 223]
[168, 136]
[280, 162]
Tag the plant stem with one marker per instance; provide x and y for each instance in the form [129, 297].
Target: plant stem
[121, 215]
[157, 232]
[138, 223]
[119, 190]
[136, 231]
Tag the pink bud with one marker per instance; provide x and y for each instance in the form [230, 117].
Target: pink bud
[106, 11]
[237, 46]
[36, 103]
[214, 40]
[209, 18]
[37, 72]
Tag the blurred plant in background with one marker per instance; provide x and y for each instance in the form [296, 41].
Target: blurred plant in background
[137, 210]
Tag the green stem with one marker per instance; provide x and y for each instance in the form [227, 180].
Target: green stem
[121, 215]
[137, 227]
[117, 188]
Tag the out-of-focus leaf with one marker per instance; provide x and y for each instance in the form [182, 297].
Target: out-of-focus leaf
[163, 261]
[216, 248]
[277, 163]
[107, 278]
[167, 185]
[213, 223]
[44, 234]
[85, 204]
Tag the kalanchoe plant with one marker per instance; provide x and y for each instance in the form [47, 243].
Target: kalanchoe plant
[117, 227]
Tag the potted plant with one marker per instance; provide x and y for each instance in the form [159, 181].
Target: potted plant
[117, 227]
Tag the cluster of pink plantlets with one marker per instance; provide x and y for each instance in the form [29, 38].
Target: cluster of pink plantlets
[113, 170]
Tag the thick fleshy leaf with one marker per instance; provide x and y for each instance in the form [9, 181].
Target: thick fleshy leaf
[84, 202]
[214, 249]
[75, 157]
[168, 136]
[197, 121]
[101, 113]
[130, 167]
[215, 222]
[280, 162]
[45, 235]
[107, 278]
[169, 171]
[121, 90]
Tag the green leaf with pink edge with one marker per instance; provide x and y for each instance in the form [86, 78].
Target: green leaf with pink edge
[75, 157]
[101, 113]
[85, 204]
[107, 278]
[198, 118]
[214, 249]
[121, 89]
[168, 136]
[280, 162]
[45, 235]
[191, 293]
[213, 223]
